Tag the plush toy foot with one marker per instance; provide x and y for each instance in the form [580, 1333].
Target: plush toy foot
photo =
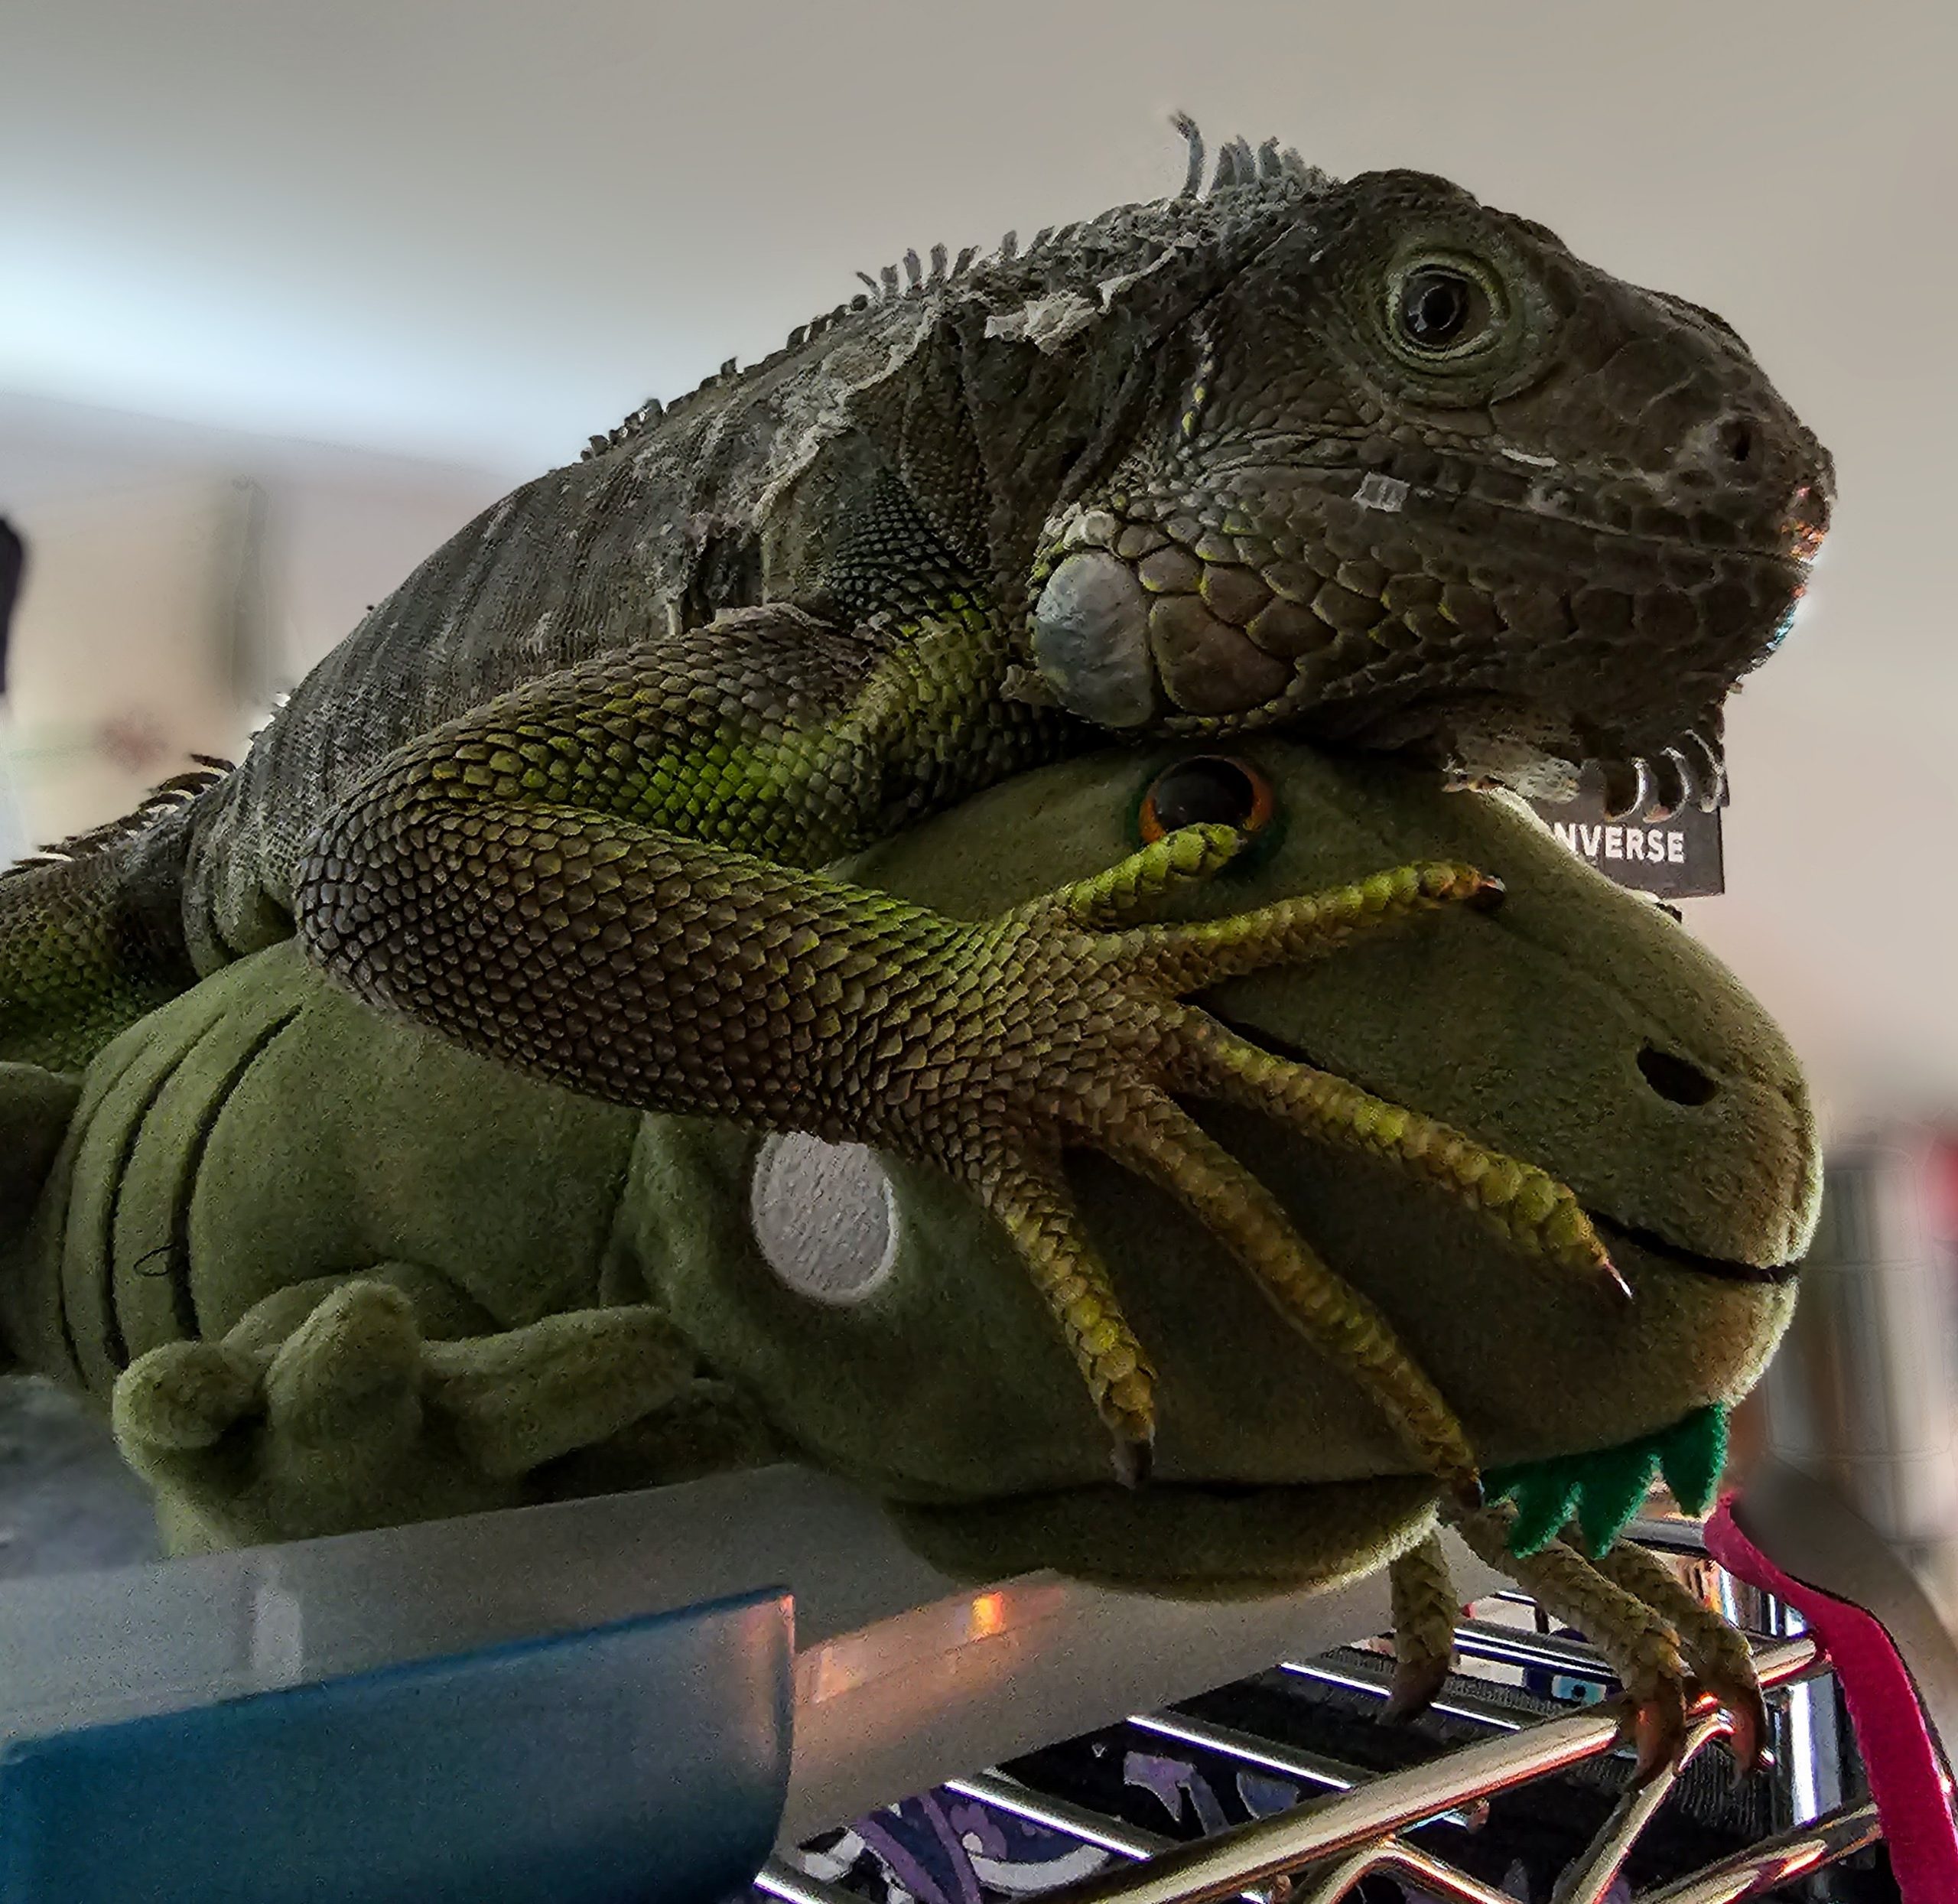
[1116, 1047]
[353, 1420]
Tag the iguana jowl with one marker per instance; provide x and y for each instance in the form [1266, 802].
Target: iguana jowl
[1368, 461]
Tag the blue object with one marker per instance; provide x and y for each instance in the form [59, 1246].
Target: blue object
[645, 1761]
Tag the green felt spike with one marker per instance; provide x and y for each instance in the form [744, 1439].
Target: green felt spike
[1615, 1484]
[1546, 1496]
[1692, 1456]
[1604, 1489]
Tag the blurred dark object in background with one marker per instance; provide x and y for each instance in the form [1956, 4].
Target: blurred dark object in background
[13, 562]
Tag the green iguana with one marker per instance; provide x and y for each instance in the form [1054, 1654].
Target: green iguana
[1366, 462]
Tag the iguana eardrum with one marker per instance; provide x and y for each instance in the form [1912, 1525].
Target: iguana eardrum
[1364, 461]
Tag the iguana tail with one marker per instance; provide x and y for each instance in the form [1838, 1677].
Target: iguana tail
[92, 930]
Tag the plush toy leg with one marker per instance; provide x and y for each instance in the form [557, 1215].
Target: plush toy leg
[355, 1420]
[1639, 1644]
[1424, 1607]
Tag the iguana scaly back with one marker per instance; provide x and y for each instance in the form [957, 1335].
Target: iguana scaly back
[1367, 461]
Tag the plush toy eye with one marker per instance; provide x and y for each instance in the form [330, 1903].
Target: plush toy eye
[1213, 788]
[1440, 307]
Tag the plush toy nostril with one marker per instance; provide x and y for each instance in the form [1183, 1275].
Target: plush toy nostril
[1675, 1079]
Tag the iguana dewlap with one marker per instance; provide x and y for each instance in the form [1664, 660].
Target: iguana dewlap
[1366, 460]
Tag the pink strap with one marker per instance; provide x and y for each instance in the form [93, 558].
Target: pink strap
[1906, 1776]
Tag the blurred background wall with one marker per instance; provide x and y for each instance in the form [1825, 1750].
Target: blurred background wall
[287, 292]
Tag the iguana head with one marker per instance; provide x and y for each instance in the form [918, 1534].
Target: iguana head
[1409, 475]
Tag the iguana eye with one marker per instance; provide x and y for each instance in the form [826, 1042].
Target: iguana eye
[1436, 306]
[1209, 788]
[1440, 309]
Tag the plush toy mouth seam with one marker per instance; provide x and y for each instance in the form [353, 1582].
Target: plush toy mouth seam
[1724, 1269]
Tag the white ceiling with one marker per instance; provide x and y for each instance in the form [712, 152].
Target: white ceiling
[479, 232]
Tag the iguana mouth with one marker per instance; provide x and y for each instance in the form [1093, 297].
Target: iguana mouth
[1724, 1269]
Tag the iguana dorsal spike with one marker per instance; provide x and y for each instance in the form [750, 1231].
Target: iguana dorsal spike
[868, 279]
[1193, 177]
[1235, 166]
[914, 269]
[889, 276]
[1268, 163]
[963, 263]
[1009, 247]
[937, 276]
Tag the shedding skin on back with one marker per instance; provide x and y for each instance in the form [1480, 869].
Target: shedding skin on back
[1366, 462]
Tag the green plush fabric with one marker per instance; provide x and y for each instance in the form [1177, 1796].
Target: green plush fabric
[264, 1142]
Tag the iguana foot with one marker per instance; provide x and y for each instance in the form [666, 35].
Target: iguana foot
[1422, 1593]
[1649, 1630]
[355, 1420]
[1716, 1651]
[1101, 1048]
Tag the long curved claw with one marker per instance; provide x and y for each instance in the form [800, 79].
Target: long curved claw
[1527, 1206]
[1161, 1142]
[1711, 769]
[1134, 887]
[1417, 1683]
[1655, 1722]
[1422, 1593]
[1627, 788]
[1721, 1660]
[1193, 958]
[1073, 1282]
[1748, 1737]
[1672, 785]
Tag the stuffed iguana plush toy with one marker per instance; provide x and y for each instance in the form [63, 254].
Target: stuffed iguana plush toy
[1364, 462]
[333, 1272]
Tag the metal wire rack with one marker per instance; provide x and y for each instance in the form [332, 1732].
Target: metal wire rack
[1351, 1824]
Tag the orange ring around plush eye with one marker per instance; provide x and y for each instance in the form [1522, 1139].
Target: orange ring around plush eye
[1219, 788]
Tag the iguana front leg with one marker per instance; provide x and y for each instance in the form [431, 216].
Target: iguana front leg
[602, 879]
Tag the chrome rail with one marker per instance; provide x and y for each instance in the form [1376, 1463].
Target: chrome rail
[1352, 1677]
[780, 1879]
[1370, 1816]
[1763, 1868]
[1317, 1852]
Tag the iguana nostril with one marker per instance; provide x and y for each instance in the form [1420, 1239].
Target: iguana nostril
[1738, 440]
[1674, 1078]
